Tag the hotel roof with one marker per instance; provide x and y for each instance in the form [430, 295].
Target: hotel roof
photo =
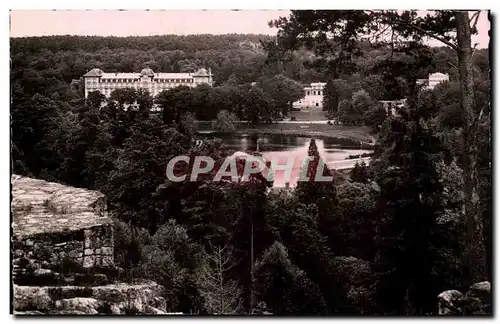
[148, 72]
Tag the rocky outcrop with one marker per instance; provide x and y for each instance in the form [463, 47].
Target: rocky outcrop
[32, 299]
[477, 301]
[83, 305]
[116, 299]
[124, 298]
[448, 302]
[63, 246]
[53, 223]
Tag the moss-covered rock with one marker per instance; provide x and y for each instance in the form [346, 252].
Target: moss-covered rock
[477, 301]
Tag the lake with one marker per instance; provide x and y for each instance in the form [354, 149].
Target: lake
[282, 147]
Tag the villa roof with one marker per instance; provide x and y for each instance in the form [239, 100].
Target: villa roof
[313, 84]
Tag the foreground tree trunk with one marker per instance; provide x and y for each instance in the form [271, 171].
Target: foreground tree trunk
[475, 252]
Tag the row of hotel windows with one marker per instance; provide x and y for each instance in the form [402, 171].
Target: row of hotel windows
[95, 81]
[122, 86]
[118, 85]
[108, 92]
[113, 86]
[314, 93]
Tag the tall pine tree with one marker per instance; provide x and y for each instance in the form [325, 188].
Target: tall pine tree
[322, 194]
[411, 200]
[331, 98]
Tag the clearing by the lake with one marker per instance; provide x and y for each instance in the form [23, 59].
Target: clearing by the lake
[319, 131]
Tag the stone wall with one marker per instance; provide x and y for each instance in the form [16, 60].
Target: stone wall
[91, 247]
[98, 246]
[53, 223]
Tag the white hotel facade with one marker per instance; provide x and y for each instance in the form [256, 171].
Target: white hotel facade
[154, 83]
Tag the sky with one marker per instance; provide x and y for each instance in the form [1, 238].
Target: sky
[160, 22]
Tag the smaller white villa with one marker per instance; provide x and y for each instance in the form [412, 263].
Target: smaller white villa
[313, 97]
[433, 80]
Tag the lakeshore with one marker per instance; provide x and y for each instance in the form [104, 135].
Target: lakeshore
[351, 135]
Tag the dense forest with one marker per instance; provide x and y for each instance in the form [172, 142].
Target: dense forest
[387, 241]
[232, 58]
[53, 66]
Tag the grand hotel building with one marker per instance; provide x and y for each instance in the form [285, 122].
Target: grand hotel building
[106, 83]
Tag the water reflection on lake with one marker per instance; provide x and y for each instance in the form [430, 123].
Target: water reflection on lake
[286, 148]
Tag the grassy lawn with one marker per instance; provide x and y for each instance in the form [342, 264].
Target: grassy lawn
[308, 114]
